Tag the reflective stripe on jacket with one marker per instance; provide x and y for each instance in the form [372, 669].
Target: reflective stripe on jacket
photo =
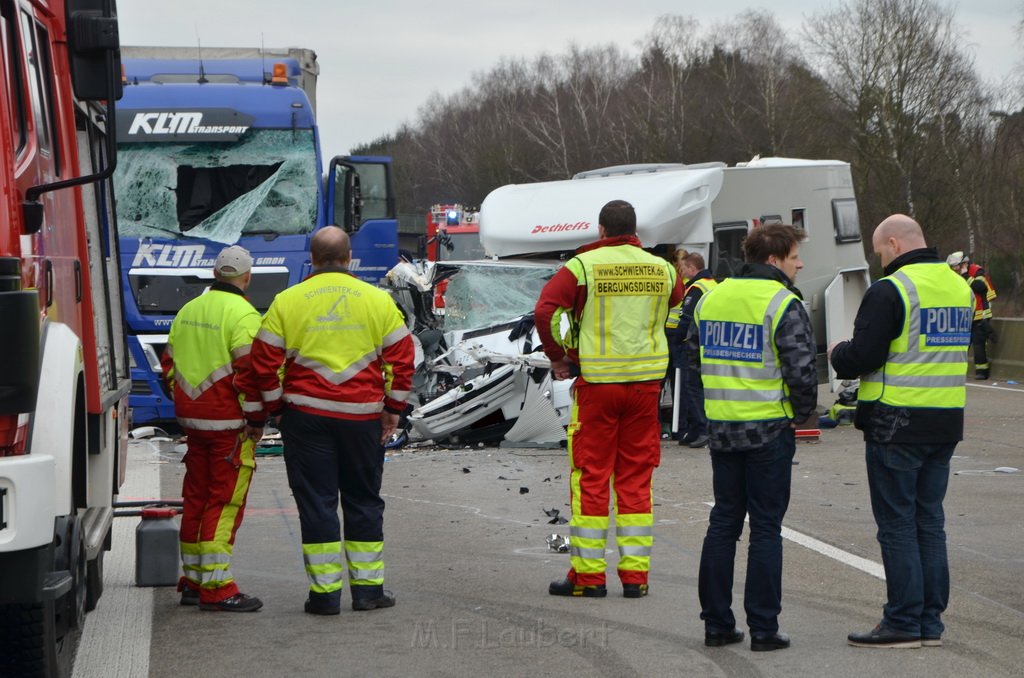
[738, 356]
[927, 362]
[346, 350]
[620, 333]
[207, 361]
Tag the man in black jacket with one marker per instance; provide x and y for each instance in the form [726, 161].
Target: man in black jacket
[909, 349]
[757, 354]
[693, 424]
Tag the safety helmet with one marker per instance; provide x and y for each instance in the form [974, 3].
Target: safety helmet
[957, 258]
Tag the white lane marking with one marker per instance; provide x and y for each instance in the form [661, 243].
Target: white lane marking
[829, 551]
[117, 635]
[998, 388]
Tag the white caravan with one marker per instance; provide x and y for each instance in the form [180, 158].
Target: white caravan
[707, 208]
[480, 364]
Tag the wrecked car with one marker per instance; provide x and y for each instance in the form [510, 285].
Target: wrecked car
[481, 376]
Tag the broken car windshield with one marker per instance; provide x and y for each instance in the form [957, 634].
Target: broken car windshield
[265, 182]
[484, 295]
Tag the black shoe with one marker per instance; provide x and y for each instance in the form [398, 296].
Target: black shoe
[240, 602]
[931, 641]
[981, 375]
[567, 588]
[699, 441]
[687, 438]
[189, 597]
[314, 606]
[883, 636]
[776, 641]
[385, 599]
[633, 590]
[720, 638]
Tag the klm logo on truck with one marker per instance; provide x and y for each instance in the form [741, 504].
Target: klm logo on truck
[186, 256]
[175, 126]
[184, 122]
[174, 256]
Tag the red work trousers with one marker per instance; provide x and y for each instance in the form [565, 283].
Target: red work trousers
[218, 471]
[614, 440]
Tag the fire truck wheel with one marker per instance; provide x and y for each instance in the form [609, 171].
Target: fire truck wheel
[29, 645]
[69, 554]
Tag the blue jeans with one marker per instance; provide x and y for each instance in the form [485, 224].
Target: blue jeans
[755, 482]
[907, 484]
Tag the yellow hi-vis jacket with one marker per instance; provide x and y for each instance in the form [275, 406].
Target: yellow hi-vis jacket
[207, 360]
[344, 346]
[739, 361]
[927, 363]
[621, 332]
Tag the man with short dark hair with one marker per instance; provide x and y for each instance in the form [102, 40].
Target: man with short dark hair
[693, 424]
[219, 407]
[347, 360]
[616, 297]
[909, 349]
[757, 363]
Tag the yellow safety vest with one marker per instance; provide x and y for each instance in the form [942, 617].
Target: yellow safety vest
[620, 333]
[705, 285]
[207, 335]
[927, 363]
[739, 362]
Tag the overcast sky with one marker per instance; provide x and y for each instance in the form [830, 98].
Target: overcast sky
[381, 60]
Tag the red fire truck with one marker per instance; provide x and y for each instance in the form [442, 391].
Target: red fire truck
[453, 233]
[63, 365]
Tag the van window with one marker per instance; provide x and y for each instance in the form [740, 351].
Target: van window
[12, 74]
[798, 219]
[845, 220]
[726, 250]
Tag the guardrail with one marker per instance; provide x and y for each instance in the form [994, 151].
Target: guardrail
[1007, 354]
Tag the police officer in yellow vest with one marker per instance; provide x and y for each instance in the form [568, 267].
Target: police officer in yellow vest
[909, 349]
[757, 364]
[218, 404]
[617, 298]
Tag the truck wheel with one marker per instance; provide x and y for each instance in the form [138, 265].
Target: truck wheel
[69, 554]
[29, 645]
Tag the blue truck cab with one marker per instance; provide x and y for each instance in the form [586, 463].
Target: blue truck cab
[219, 152]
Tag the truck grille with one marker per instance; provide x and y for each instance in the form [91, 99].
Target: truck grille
[166, 294]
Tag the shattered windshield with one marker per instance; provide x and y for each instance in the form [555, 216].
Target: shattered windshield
[484, 295]
[264, 183]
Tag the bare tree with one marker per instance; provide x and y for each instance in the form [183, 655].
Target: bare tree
[897, 67]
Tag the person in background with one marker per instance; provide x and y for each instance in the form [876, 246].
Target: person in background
[984, 293]
[909, 349]
[676, 353]
[216, 401]
[757, 362]
[616, 297]
[696, 422]
[347, 359]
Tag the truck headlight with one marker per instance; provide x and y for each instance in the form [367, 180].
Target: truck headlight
[152, 358]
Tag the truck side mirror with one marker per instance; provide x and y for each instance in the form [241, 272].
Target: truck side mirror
[94, 49]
